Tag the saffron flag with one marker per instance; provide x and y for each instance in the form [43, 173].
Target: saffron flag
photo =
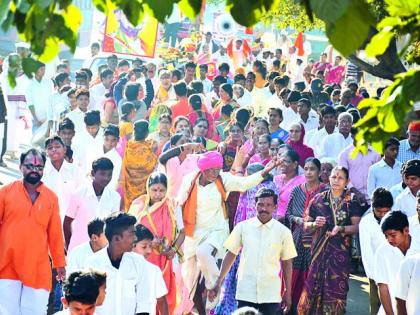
[299, 44]
[122, 37]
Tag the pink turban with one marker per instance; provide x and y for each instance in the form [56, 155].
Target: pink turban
[211, 159]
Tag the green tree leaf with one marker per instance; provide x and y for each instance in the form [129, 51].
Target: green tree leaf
[351, 30]
[43, 3]
[29, 66]
[160, 9]
[100, 5]
[72, 18]
[133, 10]
[52, 48]
[244, 12]
[380, 42]
[4, 8]
[190, 7]
[329, 11]
[402, 7]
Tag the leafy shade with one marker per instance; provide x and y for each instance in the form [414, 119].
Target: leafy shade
[385, 116]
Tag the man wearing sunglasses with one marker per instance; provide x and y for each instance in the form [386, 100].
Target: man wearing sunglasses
[30, 231]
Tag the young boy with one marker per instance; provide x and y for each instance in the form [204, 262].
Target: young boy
[389, 256]
[158, 288]
[90, 201]
[97, 240]
[83, 291]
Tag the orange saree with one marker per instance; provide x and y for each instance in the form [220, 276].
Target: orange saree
[138, 163]
[160, 220]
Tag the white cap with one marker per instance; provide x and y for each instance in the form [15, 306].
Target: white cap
[416, 106]
[23, 45]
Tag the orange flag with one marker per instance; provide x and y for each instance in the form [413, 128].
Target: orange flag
[299, 44]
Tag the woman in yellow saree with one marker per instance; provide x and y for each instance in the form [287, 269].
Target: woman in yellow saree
[155, 211]
[139, 161]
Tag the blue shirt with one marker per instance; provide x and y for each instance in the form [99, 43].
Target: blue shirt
[281, 134]
[405, 153]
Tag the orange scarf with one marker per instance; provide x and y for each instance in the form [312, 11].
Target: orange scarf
[189, 210]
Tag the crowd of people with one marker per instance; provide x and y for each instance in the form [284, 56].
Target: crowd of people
[152, 190]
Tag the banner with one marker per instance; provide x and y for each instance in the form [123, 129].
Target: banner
[122, 37]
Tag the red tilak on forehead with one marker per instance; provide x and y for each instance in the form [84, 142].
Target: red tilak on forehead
[34, 159]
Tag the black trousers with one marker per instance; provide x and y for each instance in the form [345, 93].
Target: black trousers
[4, 144]
[264, 309]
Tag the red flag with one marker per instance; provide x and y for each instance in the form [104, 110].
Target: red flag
[299, 44]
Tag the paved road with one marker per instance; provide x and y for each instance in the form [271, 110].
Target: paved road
[358, 298]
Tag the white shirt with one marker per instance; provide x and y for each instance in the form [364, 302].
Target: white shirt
[245, 100]
[414, 227]
[371, 237]
[85, 206]
[259, 98]
[76, 260]
[97, 97]
[333, 144]
[62, 182]
[382, 175]
[289, 117]
[157, 286]
[211, 225]
[406, 202]
[312, 123]
[314, 139]
[396, 190]
[276, 102]
[387, 261]
[57, 105]
[77, 117]
[127, 289]
[85, 148]
[263, 247]
[207, 85]
[408, 284]
[38, 94]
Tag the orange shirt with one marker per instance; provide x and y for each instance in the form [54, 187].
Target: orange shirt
[28, 233]
[181, 108]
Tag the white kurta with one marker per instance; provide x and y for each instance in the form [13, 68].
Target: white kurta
[128, 287]
[333, 144]
[408, 283]
[77, 258]
[406, 202]
[314, 139]
[211, 226]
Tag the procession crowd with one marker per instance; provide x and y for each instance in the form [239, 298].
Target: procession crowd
[226, 185]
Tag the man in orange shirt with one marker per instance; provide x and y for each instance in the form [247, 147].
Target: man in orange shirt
[30, 231]
[180, 108]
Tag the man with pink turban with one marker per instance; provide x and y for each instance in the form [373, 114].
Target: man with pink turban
[202, 198]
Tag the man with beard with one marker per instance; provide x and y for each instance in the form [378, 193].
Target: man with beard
[30, 231]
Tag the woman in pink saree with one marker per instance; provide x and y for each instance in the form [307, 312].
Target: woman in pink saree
[155, 211]
[288, 179]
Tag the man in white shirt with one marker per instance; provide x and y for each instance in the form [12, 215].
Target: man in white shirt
[158, 289]
[265, 243]
[406, 201]
[59, 102]
[314, 137]
[82, 292]
[207, 84]
[89, 141]
[97, 240]
[407, 290]
[90, 201]
[205, 219]
[128, 281]
[242, 95]
[371, 237]
[97, 92]
[275, 100]
[387, 172]
[308, 118]
[38, 94]
[334, 143]
[290, 114]
[61, 177]
[389, 256]
[77, 116]
[110, 141]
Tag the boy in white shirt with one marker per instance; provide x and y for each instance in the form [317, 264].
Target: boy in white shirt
[83, 291]
[90, 201]
[158, 289]
[77, 258]
[389, 256]
[371, 237]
